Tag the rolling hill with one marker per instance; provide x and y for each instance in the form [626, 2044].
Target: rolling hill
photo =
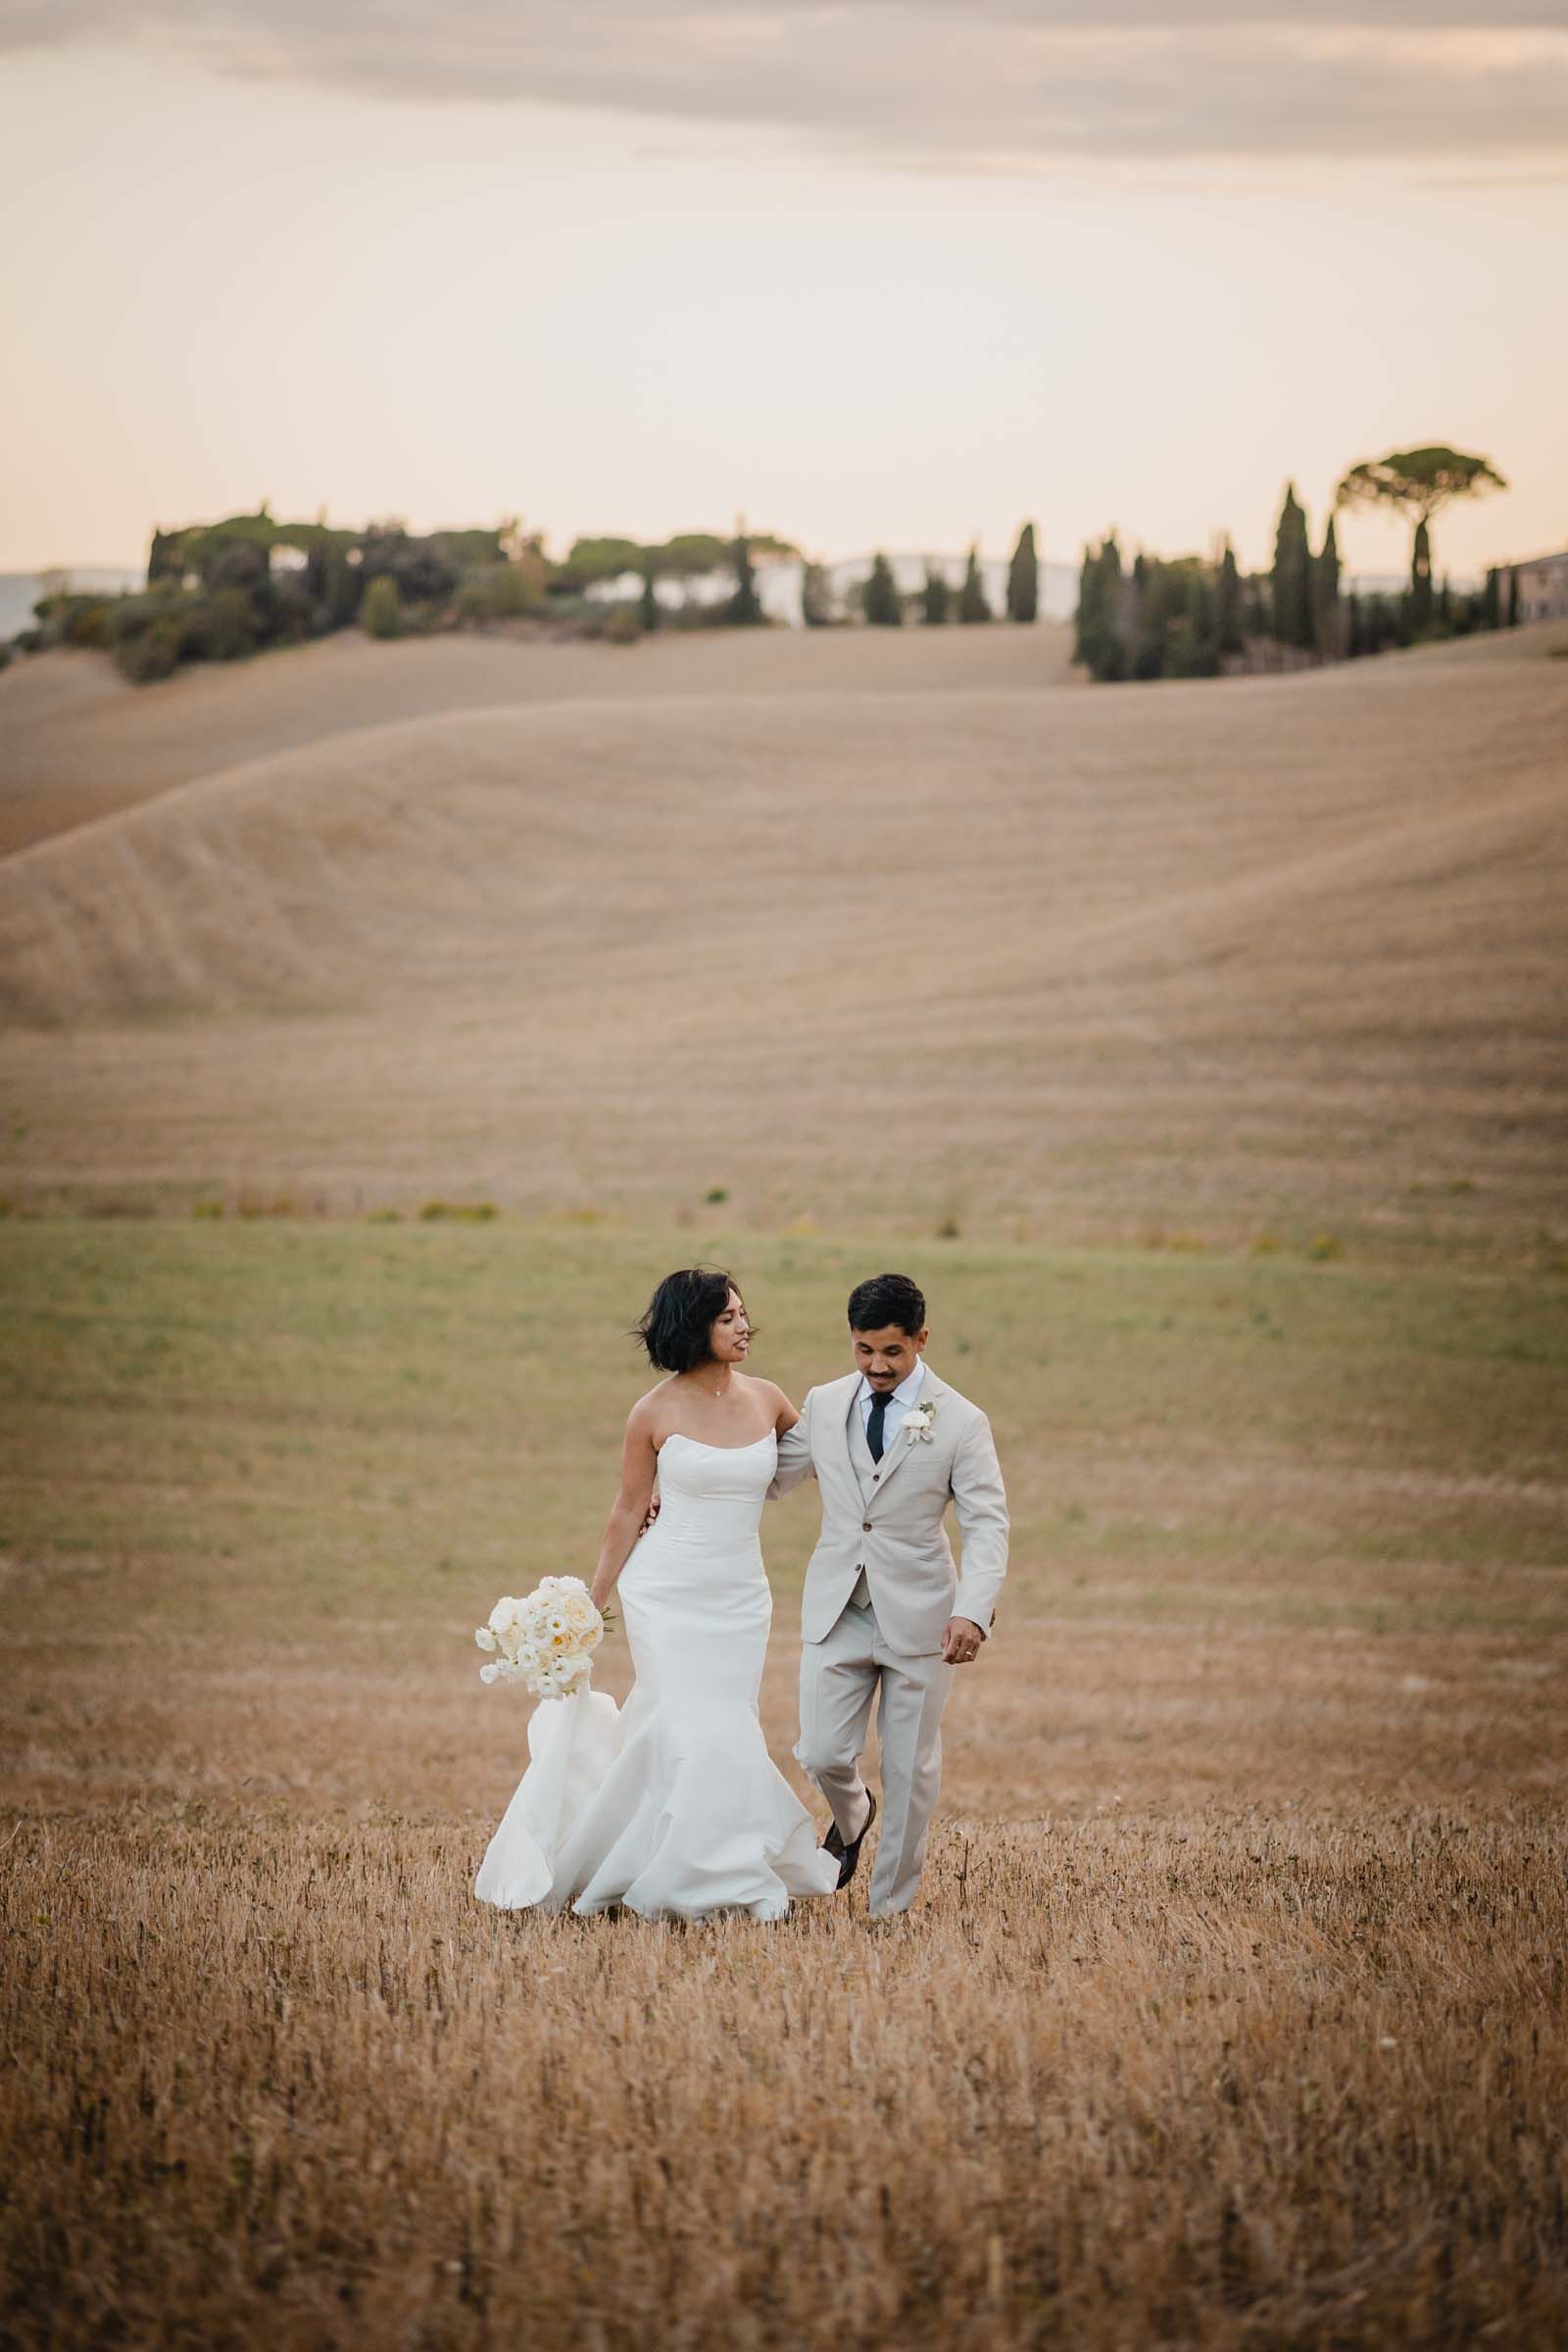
[862, 928]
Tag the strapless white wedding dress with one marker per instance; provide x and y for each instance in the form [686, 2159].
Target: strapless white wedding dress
[671, 1805]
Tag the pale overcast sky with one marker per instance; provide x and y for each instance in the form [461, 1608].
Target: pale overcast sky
[879, 273]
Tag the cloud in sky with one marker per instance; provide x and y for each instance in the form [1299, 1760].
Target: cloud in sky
[1014, 85]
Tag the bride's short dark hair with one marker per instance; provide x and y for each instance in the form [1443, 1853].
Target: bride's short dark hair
[679, 1315]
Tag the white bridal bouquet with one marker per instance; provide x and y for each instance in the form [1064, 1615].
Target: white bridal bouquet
[546, 1642]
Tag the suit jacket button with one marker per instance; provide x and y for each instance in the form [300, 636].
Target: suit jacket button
[865, 1527]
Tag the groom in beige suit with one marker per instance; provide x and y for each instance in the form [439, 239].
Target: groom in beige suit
[885, 1609]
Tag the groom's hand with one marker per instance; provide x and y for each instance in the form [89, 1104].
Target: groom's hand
[960, 1641]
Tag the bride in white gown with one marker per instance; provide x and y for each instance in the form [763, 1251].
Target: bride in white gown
[671, 1805]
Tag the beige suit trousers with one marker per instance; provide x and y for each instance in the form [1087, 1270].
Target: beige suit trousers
[841, 1675]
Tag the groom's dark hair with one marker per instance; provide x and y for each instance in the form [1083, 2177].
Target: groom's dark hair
[679, 1315]
[887, 1298]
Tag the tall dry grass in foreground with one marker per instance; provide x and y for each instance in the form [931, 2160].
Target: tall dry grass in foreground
[1235, 2013]
[1218, 2079]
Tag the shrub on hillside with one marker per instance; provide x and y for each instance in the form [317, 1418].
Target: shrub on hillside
[75, 619]
[222, 627]
[381, 610]
[418, 568]
[334, 585]
[152, 653]
[287, 610]
[239, 563]
[501, 592]
[135, 618]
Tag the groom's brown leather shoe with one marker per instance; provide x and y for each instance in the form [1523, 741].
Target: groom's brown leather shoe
[849, 1856]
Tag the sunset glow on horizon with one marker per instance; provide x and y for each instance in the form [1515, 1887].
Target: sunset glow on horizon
[874, 281]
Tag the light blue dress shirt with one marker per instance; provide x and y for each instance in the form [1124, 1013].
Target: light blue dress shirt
[898, 1404]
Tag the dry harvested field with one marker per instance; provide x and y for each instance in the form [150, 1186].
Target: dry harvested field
[1235, 2012]
[865, 932]
[82, 744]
[1202, 1049]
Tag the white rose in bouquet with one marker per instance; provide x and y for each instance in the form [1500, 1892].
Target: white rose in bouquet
[583, 1620]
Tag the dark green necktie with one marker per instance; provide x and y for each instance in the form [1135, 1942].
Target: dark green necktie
[880, 1401]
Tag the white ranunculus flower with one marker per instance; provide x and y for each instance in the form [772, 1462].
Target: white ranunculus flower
[502, 1615]
[490, 1674]
[484, 1637]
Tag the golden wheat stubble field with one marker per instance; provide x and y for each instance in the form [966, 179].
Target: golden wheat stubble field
[1234, 2015]
[1234, 2011]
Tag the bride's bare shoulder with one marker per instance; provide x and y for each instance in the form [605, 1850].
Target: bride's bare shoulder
[650, 1407]
[778, 1401]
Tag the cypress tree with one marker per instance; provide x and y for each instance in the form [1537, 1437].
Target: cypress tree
[1202, 617]
[744, 606]
[1490, 600]
[1098, 642]
[1514, 615]
[1112, 595]
[1148, 630]
[648, 612]
[1228, 613]
[1023, 578]
[1326, 595]
[936, 598]
[1190, 597]
[972, 605]
[1085, 620]
[1293, 574]
[1421, 580]
[884, 607]
[1259, 620]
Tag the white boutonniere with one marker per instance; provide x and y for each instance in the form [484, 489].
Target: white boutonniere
[917, 1422]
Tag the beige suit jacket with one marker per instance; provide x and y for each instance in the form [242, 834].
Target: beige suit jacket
[887, 1517]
